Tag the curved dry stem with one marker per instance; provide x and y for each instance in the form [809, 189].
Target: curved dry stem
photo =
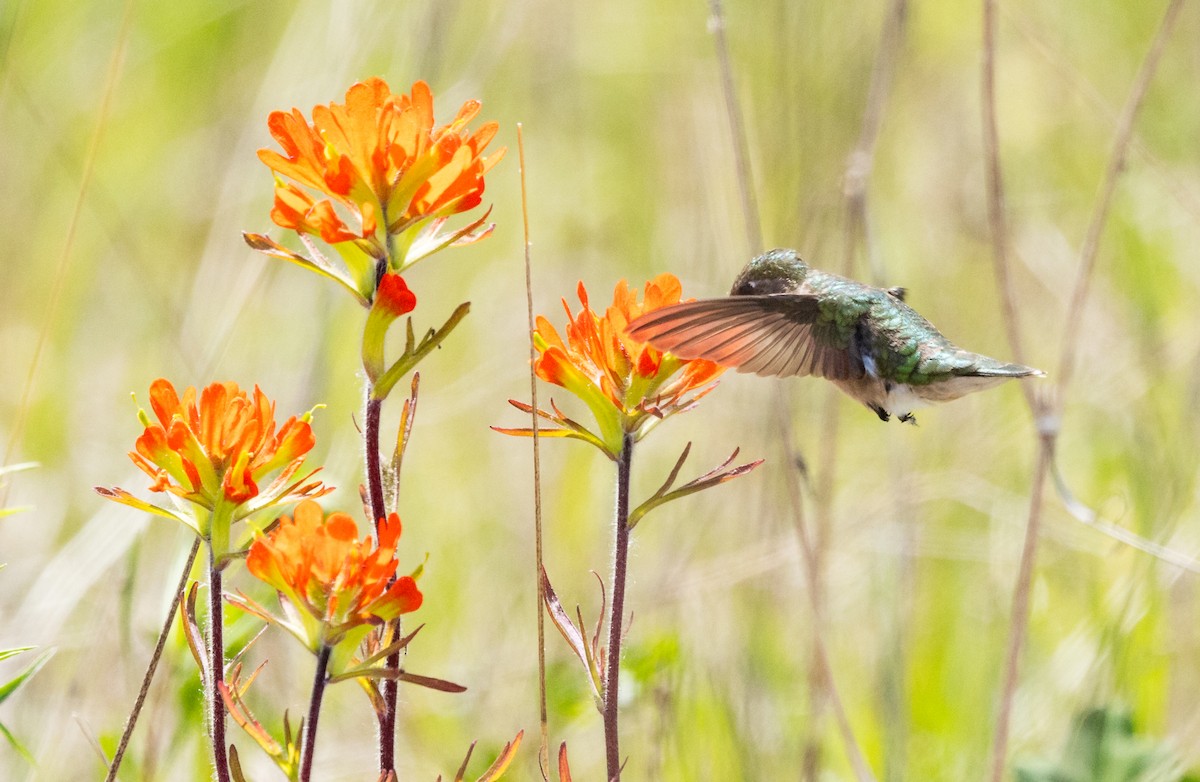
[1047, 414]
[1116, 164]
[152, 667]
[64, 259]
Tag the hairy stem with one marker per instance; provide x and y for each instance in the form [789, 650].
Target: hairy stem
[387, 720]
[152, 667]
[216, 669]
[374, 467]
[616, 615]
[314, 712]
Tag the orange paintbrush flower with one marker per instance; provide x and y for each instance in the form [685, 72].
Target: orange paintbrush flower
[336, 582]
[215, 448]
[628, 385]
[377, 179]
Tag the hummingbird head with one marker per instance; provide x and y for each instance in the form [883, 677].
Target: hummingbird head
[775, 271]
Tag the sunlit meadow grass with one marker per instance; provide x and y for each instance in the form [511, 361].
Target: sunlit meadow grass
[631, 172]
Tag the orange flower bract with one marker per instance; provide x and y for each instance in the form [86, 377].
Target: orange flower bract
[627, 384]
[376, 176]
[217, 445]
[216, 448]
[337, 581]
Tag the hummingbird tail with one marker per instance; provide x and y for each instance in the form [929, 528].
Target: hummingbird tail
[996, 369]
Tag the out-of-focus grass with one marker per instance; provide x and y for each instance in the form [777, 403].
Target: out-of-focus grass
[631, 173]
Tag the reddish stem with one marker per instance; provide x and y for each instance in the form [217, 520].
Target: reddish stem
[314, 712]
[620, 565]
[216, 666]
[391, 691]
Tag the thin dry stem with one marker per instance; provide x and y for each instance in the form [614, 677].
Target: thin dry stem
[543, 718]
[820, 653]
[1181, 190]
[857, 174]
[737, 128]
[1019, 622]
[1047, 415]
[64, 259]
[152, 666]
[820, 678]
[1116, 164]
[862, 159]
[996, 203]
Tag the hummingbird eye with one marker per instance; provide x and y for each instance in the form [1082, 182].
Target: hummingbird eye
[761, 287]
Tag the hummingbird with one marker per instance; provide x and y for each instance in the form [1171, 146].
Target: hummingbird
[783, 318]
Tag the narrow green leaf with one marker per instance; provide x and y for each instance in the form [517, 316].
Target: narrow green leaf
[18, 467]
[17, 745]
[6, 653]
[11, 686]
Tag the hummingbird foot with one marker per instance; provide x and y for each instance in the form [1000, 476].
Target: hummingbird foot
[884, 415]
[908, 418]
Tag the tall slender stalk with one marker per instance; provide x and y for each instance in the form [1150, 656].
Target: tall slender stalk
[1047, 413]
[152, 667]
[314, 712]
[808, 550]
[616, 614]
[538, 554]
[391, 690]
[111, 80]
[216, 669]
[737, 129]
[1019, 621]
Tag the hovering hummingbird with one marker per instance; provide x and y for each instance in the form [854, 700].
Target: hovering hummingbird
[784, 317]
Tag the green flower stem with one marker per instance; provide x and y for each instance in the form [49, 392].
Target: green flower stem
[314, 711]
[620, 564]
[414, 352]
[216, 665]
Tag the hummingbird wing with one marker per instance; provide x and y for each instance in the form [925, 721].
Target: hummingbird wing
[775, 334]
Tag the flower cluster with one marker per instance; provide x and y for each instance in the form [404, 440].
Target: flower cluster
[336, 582]
[215, 448]
[628, 385]
[390, 179]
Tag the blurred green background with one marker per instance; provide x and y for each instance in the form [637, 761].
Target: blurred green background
[631, 172]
